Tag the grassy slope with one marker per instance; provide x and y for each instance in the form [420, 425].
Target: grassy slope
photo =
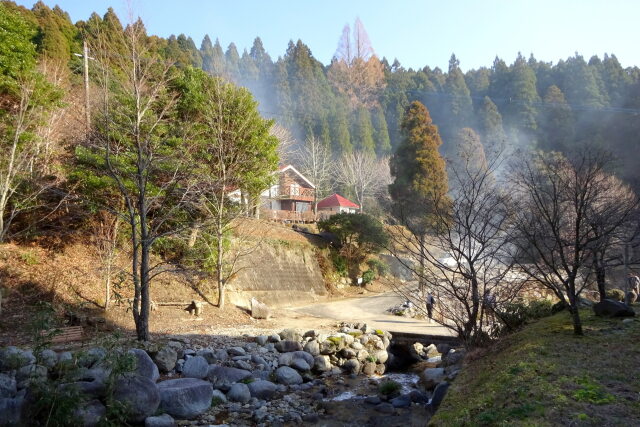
[544, 375]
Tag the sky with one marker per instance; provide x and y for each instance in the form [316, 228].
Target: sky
[416, 32]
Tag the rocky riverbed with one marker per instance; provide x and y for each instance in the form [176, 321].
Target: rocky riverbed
[324, 378]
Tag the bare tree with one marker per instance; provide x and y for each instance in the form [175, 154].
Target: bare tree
[559, 200]
[613, 220]
[363, 174]
[286, 143]
[105, 236]
[466, 262]
[315, 162]
[21, 156]
[355, 70]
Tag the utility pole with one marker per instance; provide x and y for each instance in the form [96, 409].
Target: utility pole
[85, 60]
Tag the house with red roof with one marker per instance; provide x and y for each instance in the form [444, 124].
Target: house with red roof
[336, 204]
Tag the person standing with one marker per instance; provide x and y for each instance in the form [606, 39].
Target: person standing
[633, 283]
[431, 301]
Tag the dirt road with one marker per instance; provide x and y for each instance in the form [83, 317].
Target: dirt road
[370, 309]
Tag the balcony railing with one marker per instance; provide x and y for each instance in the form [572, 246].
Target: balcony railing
[291, 192]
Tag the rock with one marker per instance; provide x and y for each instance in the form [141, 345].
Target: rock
[140, 394]
[321, 363]
[31, 372]
[185, 398]
[380, 369]
[430, 377]
[287, 346]
[351, 366]
[259, 310]
[211, 356]
[630, 298]
[65, 357]
[241, 364]
[312, 347]
[258, 360]
[177, 346]
[439, 393]
[300, 365]
[274, 338]
[290, 335]
[611, 308]
[223, 377]
[14, 358]
[288, 376]
[48, 358]
[369, 368]
[262, 389]
[431, 350]
[195, 367]
[218, 397]
[8, 386]
[443, 348]
[362, 355]
[381, 356]
[348, 353]
[310, 418]
[403, 401]
[418, 396]
[164, 420]
[166, 359]
[239, 392]
[304, 356]
[236, 351]
[262, 339]
[453, 357]
[144, 365]
[385, 408]
[372, 400]
[90, 413]
[92, 356]
[11, 411]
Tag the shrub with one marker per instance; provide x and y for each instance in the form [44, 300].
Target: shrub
[380, 267]
[371, 358]
[368, 276]
[389, 387]
[516, 314]
[339, 264]
[615, 294]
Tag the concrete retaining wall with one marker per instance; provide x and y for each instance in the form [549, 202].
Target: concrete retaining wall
[278, 275]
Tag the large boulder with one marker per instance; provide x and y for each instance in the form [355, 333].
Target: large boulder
[139, 394]
[430, 377]
[611, 308]
[312, 347]
[11, 411]
[351, 366]
[300, 365]
[287, 346]
[222, 377]
[262, 389]
[48, 358]
[195, 367]
[259, 310]
[144, 365]
[185, 398]
[290, 335]
[166, 359]
[439, 393]
[239, 392]
[288, 376]
[14, 358]
[322, 363]
[90, 413]
[164, 420]
[7, 386]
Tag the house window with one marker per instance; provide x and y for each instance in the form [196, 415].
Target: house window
[295, 189]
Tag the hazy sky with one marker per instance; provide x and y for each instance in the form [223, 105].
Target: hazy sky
[416, 32]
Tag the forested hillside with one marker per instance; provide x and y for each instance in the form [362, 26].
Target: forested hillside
[356, 101]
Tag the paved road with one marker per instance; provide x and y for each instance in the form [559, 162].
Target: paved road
[372, 310]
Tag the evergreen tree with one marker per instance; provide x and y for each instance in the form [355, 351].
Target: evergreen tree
[557, 123]
[232, 62]
[383, 143]
[363, 132]
[420, 180]
[458, 97]
[490, 122]
[520, 111]
[342, 138]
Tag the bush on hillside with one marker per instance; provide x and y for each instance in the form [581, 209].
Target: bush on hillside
[615, 294]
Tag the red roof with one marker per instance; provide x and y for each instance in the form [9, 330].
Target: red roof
[336, 200]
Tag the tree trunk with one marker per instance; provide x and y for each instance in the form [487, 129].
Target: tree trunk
[575, 317]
